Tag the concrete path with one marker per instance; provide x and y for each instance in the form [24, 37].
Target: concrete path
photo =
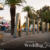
[10, 42]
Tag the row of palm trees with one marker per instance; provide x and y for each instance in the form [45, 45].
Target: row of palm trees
[29, 10]
[13, 4]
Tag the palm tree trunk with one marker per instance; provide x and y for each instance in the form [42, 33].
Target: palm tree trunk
[19, 33]
[43, 26]
[12, 13]
[16, 22]
[33, 26]
[47, 27]
[37, 26]
[26, 25]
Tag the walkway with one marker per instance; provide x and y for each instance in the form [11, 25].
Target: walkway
[9, 41]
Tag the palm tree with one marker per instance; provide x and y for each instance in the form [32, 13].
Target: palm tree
[34, 20]
[13, 4]
[44, 13]
[29, 11]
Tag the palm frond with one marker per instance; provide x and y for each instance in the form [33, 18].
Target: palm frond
[14, 2]
[27, 8]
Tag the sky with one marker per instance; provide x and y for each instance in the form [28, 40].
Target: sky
[36, 4]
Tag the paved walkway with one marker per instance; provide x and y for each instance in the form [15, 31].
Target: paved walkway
[9, 41]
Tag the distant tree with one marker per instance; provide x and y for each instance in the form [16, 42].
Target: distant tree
[44, 13]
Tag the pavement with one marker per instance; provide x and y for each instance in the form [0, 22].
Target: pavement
[10, 42]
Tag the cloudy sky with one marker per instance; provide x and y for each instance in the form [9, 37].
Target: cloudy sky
[37, 4]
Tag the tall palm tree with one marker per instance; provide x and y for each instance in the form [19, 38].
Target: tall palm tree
[34, 20]
[29, 11]
[44, 13]
[13, 4]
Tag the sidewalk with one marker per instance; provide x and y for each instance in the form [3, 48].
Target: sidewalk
[6, 36]
[8, 39]
[40, 35]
